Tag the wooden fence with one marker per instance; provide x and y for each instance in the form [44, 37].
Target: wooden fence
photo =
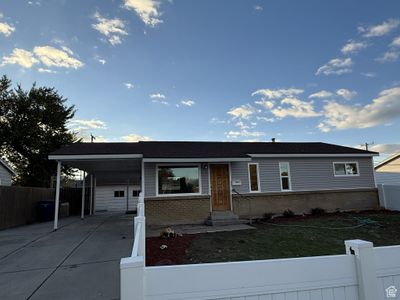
[18, 204]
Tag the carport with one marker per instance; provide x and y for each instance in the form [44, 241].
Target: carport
[112, 168]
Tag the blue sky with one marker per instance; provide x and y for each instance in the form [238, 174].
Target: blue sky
[214, 70]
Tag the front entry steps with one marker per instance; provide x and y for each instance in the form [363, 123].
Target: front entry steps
[221, 218]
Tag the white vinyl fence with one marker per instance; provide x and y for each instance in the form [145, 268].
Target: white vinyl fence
[363, 273]
[389, 196]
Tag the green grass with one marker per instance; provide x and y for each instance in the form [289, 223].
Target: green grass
[271, 241]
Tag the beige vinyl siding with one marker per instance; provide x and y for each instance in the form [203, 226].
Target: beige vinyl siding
[306, 174]
[393, 166]
[150, 177]
[105, 200]
[5, 176]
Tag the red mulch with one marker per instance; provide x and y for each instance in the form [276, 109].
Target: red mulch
[175, 254]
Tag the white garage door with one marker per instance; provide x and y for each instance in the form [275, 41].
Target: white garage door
[113, 198]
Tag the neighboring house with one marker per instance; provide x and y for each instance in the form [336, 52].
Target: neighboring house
[388, 170]
[188, 182]
[6, 173]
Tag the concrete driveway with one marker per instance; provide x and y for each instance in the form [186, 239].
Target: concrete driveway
[78, 261]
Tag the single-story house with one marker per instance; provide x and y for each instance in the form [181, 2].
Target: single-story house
[388, 170]
[6, 173]
[190, 182]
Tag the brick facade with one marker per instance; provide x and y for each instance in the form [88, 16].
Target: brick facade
[196, 209]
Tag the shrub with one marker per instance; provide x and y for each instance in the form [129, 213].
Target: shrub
[317, 211]
[268, 216]
[288, 213]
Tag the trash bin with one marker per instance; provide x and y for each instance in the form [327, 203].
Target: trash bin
[45, 210]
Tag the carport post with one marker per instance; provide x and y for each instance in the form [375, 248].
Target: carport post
[83, 197]
[57, 200]
[91, 194]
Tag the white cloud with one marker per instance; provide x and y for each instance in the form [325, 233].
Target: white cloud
[381, 29]
[258, 7]
[133, 137]
[386, 148]
[20, 57]
[243, 133]
[353, 47]
[52, 57]
[277, 93]
[47, 55]
[346, 94]
[188, 102]
[147, 10]
[321, 94]
[157, 96]
[265, 119]
[267, 104]
[243, 111]
[293, 107]
[215, 120]
[369, 74]
[6, 29]
[88, 124]
[381, 110]
[113, 29]
[129, 85]
[44, 70]
[102, 61]
[389, 56]
[323, 127]
[396, 42]
[336, 66]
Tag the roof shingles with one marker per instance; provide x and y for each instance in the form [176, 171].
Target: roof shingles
[158, 149]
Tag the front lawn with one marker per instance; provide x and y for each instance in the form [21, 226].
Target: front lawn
[279, 238]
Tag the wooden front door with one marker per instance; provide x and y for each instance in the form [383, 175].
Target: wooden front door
[220, 187]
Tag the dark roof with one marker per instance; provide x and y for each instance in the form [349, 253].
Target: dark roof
[205, 149]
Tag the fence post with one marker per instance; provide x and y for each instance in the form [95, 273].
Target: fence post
[363, 252]
[132, 278]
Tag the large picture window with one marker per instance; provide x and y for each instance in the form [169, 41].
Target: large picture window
[178, 180]
[284, 170]
[345, 169]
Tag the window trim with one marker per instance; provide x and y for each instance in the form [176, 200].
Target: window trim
[346, 162]
[180, 194]
[258, 177]
[289, 177]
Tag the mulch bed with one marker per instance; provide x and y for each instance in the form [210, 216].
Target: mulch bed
[174, 254]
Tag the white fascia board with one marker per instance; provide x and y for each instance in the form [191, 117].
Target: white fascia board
[195, 160]
[313, 155]
[94, 156]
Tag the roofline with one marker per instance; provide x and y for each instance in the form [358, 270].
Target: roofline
[200, 159]
[93, 156]
[387, 160]
[8, 167]
[314, 155]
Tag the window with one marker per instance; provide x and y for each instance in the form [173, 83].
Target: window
[178, 180]
[118, 194]
[284, 170]
[345, 169]
[254, 183]
[135, 193]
